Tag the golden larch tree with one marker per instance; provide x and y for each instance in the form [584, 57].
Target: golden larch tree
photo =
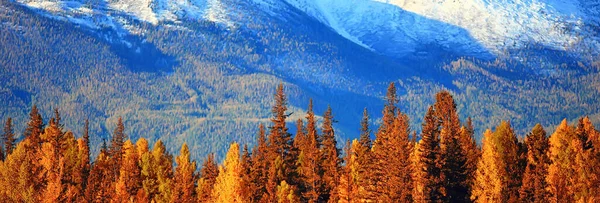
[163, 167]
[562, 157]
[488, 184]
[129, 181]
[184, 179]
[286, 193]
[228, 187]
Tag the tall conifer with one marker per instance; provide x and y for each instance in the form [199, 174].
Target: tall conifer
[184, 179]
[8, 137]
[330, 155]
[228, 188]
[208, 177]
[534, 184]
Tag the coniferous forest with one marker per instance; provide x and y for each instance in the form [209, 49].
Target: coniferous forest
[442, 163]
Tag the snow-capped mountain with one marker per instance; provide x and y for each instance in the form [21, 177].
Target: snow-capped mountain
[392, 27]
[399, 27]
[118, 13]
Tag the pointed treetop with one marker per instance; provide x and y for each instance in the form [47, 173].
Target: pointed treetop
[86, 132]
[365, 131]
[391, 96]
[309, 110]
[34, 126]
[57, 117]
[389, 110]
[328, 122]
[142, 146]
[104, 145]
[9, 136]
[185, 151]
[564, 123]
[159, 147]
[300, 138]
[538, 129]
[262, 139]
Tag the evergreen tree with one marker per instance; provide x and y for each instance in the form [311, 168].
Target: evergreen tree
[510, 160]
[365, 131]
[34, 128]
[390, 173]
[9, 137]
[116, 147]
[280, 145]
[472, 153]
[148, 177]
[452, 157]
[591, 160]
[52, 163]
[163, 163]
[534, 184]
[228, 187]
[399, 148]
[208, 177]
[453, 168]
[246, 179]
[259, 169]
[84, 153]
[348, 187]
[561, 171]
[185, 177]
[99, 183]
[330, 155]
[377, 176]
[129, 181]
[308, 164]
[72, 177]
[280, 141]
[428, 183]
[33, 169]
[586, 181]
[362, 151]
[300, 138]
[488, 183]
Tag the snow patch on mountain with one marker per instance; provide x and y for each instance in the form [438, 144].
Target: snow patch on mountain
[138, 8]
[97, 13]
[400, 27]
[216, 12]
[392, 27]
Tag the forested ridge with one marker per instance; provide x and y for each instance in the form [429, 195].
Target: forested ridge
[442, 163]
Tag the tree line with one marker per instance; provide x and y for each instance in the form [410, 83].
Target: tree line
[443, 163]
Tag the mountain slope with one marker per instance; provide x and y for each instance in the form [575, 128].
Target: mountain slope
[472, 27]
[205, 71]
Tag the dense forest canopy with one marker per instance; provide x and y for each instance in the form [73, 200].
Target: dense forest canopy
[442, 163]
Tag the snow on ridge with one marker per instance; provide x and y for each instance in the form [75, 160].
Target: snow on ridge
[216, 12]
[138, 8]
[496, 23]
[149, 11]
[398, 26]
[393, 27]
